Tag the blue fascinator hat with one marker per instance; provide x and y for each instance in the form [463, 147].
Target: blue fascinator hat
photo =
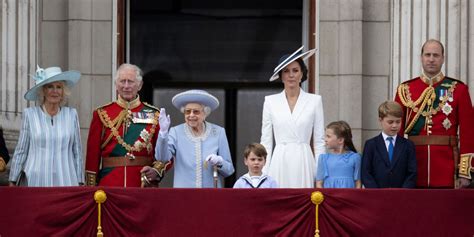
[195, 96]
[48, 75]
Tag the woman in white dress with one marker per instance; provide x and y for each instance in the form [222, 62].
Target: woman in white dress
[49, 150]
[291, 118]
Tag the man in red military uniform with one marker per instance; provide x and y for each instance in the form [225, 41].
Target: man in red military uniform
[435, 108]
[122, 136]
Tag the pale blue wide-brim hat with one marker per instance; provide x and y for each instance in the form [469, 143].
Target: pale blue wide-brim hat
[287, 59]
[195, 96]
[48, 75]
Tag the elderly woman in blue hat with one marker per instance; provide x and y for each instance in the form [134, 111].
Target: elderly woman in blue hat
[49, 150]
[292, 118]
[198, 146]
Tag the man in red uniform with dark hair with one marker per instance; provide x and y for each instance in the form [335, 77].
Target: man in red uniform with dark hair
[435, 108]
[122, 136]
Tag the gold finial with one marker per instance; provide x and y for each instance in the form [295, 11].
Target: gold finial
[99, 197]
[317, 198]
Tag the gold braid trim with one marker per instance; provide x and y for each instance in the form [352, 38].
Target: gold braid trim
[104, 117]
[427, 97]
[91, 178]
[465, 167]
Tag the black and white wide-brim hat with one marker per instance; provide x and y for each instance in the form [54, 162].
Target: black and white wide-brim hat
[48, 75]
[287, 59]
[195, 96]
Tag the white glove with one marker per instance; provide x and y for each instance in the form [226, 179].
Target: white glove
[214, 159]
[164, 121]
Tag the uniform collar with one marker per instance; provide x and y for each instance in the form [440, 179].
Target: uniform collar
[128, 105]
[432, 80]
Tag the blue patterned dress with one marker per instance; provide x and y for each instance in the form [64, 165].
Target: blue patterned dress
[339, 170]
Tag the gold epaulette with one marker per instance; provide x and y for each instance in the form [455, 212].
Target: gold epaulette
[456, 80]
[151, 106]
[105, 105]
[408, 81]
[465, 165]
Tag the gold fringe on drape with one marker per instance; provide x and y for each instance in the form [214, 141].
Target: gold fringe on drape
[99, 197]
[317, 198]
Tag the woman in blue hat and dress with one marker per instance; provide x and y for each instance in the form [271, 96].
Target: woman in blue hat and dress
[49, 150]
[198, 147]
[292, 118]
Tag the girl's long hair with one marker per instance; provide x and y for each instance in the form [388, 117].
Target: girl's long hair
[342, 129]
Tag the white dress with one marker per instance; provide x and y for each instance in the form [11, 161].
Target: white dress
[292, 163]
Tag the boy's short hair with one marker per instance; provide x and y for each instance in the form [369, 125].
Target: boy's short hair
[390, 108]
[257, 149]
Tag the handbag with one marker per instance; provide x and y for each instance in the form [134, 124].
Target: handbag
[22, 180]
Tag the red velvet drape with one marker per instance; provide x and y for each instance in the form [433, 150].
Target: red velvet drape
[228, 212]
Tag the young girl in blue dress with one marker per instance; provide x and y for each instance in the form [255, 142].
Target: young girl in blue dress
[340, 167]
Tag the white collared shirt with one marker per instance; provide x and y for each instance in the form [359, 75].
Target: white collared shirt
[386, 141]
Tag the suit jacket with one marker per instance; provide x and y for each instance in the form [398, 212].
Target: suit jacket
[378, 172]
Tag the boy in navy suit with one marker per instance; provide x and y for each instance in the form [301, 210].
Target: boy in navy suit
[389, 160]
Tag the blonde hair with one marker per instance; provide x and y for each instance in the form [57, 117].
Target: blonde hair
[390, 108]
[66, 93]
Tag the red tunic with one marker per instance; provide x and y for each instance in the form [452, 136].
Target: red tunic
[436, 163]
[103, 144]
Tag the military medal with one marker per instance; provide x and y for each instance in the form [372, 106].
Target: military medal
[144, 134]
[450, 98]
[450, 95]
[442, 94]
[446, 123]
[143, 117]
[447, 109]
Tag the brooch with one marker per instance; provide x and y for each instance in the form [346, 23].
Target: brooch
[447, 109]
[446, 123]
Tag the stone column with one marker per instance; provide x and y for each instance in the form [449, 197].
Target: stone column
[90, 51]
[18, 58]
[413, 22]
[376, 63]
[340, 62]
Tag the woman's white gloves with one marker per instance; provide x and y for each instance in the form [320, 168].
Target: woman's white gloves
[164, 121]
[214, 159]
